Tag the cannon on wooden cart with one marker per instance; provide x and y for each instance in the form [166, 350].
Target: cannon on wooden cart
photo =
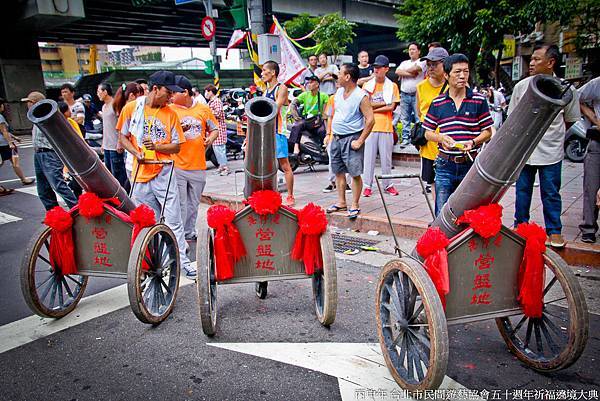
[411, 320]
[102, 245]
[268, 239]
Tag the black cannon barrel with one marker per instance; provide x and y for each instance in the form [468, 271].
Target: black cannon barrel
[80, 159]
[498, 166]
[260, 164]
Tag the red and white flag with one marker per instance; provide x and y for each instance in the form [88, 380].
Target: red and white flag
[292, 64]
[237, 37]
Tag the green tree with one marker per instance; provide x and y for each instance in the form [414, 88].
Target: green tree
[477, 27]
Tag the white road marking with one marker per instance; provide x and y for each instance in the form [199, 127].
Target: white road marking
[359, 367]
[7, 218]
[31, 190]
[32, 328]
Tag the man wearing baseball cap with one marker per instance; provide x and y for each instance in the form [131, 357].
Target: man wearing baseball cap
[48, 166]
[384, 98]
[313, 104]
[427, 90]
[151, 131]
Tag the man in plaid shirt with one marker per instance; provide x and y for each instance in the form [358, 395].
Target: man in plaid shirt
[219, 145]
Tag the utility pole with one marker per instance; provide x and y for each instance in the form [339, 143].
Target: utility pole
[257, 16]
[213, 44]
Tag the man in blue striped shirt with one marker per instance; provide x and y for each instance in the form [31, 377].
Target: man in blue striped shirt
[460, 122]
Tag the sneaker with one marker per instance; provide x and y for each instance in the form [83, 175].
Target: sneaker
[190, 272]
[427, 189]
[392, 191]
[348, 189]
[367, 192]
[191, 237]
[329, 188]
[557, 241]
[588, 237]
[290, 201]
[224, 172]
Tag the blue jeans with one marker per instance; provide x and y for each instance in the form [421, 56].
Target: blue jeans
[221, 154]
[448, 175]
[115, 163]
[50, 181]
[550, 178]
[408, 113]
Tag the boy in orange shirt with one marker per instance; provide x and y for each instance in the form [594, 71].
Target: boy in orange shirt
[190, 163]
[150, 130]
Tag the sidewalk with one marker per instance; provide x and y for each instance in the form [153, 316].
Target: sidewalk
[409, 210]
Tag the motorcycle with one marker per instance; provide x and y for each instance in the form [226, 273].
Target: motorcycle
[312, 151]
[576, 142]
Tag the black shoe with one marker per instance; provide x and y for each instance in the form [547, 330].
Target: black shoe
[428, 189]
[589, 238]
[329, 188]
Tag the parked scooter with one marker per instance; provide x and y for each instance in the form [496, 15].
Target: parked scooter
[312, 152]
[576, 142]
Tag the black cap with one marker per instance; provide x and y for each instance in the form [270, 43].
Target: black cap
[312, 78]
[183, 83]
[165, 78]
[381, 61]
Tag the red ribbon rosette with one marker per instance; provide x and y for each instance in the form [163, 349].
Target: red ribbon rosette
[531, 270]
[432, 247]
[62, 250]
[264, 202]
[142, 216]
[485, 220]
[228, 243]
[312, 223]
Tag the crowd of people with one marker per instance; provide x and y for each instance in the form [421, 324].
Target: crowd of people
[353, 109]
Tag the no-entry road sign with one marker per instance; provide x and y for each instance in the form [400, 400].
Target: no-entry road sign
[208, 27]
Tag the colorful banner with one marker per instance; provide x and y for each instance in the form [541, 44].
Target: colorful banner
[292, 64]
[237, 38]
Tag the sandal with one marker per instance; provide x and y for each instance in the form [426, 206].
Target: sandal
[28, 181]
[336, 208]
[5, 191]
[353, 213]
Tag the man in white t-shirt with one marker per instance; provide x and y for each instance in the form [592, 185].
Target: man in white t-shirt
[410, 72]
[546, 159]
[327, 74]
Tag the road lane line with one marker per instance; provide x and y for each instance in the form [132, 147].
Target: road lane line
[32, 328]
[6, 218]
[16, 179]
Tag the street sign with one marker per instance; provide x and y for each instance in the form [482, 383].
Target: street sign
[181, 2]
[208, 27]
[573, 68]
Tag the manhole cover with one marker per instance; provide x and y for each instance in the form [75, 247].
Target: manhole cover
[343, 242]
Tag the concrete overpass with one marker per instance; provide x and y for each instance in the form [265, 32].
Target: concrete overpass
[162, 23]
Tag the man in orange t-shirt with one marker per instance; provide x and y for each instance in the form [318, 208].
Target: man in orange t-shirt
[190, 163]
[384, 98]
[150, 130]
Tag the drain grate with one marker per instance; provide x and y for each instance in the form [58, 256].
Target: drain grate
[343, 242]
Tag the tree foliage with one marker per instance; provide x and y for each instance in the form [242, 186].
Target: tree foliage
[332, 33]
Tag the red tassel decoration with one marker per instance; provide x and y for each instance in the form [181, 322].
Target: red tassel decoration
[432, 247]
[228, 243]
[62, 250]
[90, 205]
[142, 216]
[265, 202]
[531, 271]
[485, 220]
[312, 223]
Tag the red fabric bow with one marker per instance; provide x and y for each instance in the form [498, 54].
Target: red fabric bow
[531, 270]
[91, 206]
[312, 223]
[264, 202]
[229, 246]
[62, 250]
[485, 220]
[142, 216]
[432, 247]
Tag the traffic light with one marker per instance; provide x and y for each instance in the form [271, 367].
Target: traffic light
[236, 14]
[209, 67]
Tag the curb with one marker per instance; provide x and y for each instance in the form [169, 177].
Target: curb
[574, 253]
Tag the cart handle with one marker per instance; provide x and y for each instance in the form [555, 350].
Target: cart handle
[394, 176]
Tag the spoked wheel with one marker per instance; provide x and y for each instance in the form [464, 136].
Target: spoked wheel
[153, 274]
[261, 289]
[324, 283]
[48, 292]
[411, 326]
[557, 339]
[207, 282]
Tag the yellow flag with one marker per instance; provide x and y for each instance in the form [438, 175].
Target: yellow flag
[93, 59]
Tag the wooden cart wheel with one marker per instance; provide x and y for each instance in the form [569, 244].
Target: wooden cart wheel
[207, 282]
[261, 289]
[152, 287]
[411, 326]
[324, 283]
[557, 339]
[47, 292]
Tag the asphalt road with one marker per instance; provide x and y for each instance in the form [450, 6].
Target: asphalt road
[272, 349]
